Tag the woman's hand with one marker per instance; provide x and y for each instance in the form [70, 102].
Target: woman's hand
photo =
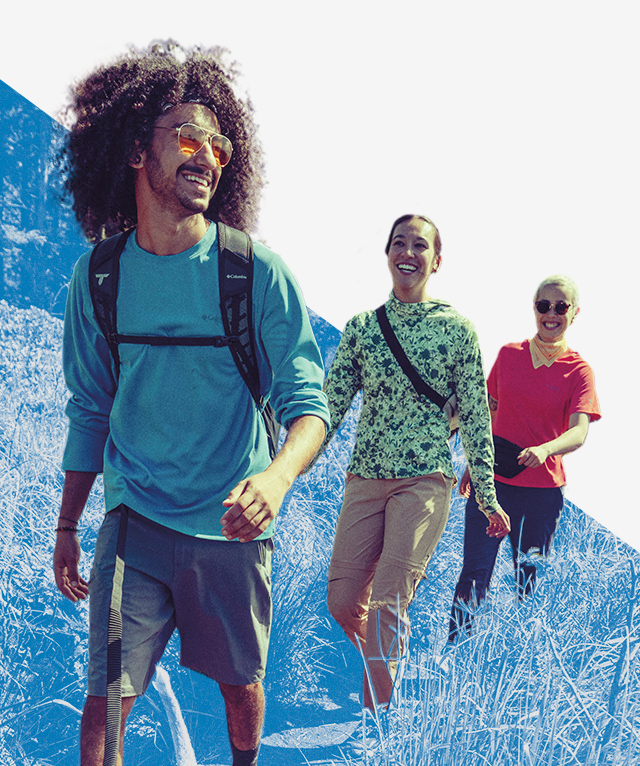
[570, 440]
[465, 484]
[533, 457]
[499, 524]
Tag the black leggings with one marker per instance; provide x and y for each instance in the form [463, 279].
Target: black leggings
[534, 513]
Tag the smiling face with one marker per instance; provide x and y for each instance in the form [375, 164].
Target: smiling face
[412, 259]
[170, 181]
[552, 326]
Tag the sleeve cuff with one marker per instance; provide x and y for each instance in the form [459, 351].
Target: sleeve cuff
[84, 451]
[308, 408]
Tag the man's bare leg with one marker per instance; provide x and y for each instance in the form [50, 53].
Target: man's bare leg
[245, 717]
[92, 729]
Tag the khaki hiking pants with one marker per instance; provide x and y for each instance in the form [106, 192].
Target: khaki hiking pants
[386, 534]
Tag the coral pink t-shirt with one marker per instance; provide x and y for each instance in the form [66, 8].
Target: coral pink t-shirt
[534, 405]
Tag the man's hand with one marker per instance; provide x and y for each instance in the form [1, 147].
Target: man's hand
[66, 557]
[499, 524]
[253, 504]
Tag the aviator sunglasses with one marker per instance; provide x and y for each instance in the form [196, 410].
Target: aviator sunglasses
[544, 306]
[191, 138]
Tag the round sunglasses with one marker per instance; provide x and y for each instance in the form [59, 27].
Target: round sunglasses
[561, 308]
[191, 138]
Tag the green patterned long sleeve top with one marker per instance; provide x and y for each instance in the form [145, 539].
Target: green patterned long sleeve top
[401, 433]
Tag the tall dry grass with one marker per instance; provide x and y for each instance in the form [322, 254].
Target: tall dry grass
[552, 682]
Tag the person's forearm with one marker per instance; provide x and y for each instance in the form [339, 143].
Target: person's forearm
[478, 448]
[66, 555]
[493, 409]
[569, 441]
[254, 502]
[77, 486]
[303, 440]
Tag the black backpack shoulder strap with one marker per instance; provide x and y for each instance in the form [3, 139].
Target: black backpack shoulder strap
[104, 271]
[420, 385]
[235, 277]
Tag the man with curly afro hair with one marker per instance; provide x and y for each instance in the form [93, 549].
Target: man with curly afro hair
[162, 146]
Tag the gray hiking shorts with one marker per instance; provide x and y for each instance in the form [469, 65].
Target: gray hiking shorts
[216, 593]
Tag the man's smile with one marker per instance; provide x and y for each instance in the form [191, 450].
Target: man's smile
[198, 179]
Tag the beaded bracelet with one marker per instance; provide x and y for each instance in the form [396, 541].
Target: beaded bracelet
[66, 529]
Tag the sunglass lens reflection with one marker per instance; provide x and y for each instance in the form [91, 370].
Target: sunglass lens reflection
[191, 140]
[220, 152]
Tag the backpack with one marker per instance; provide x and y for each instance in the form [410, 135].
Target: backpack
[235, 277]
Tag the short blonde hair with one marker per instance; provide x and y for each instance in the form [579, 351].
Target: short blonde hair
[565, 283]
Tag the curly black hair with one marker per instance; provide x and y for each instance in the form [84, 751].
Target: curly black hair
[113, 111]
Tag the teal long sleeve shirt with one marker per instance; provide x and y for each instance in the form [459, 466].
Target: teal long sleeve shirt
[179, 429]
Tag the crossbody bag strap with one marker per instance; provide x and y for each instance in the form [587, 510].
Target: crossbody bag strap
[420, 385]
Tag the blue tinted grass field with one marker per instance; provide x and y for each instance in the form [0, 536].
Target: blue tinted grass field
[553, 681]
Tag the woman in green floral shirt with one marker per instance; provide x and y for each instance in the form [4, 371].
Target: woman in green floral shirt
[400, 477]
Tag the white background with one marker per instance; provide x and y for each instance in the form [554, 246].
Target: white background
[514, 125]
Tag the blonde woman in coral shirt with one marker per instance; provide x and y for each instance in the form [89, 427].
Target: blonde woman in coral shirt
[542, 398]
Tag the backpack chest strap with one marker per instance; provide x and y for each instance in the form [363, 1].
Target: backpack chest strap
[217, 341]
